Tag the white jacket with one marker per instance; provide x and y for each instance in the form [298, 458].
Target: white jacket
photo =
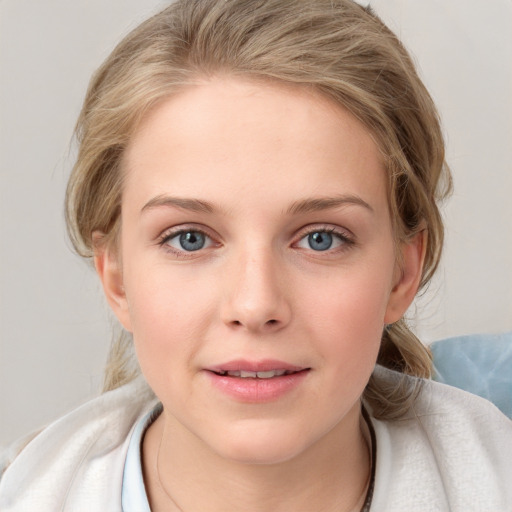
[452, 453]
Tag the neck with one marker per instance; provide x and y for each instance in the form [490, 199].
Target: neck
[183, 475]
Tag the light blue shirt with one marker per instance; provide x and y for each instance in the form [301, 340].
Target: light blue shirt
[134, 497]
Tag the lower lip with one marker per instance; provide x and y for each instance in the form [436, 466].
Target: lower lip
[254, 390]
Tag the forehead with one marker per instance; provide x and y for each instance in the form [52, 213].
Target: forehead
[227, 134]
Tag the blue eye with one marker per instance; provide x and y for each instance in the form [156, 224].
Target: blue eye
[192, 240]
[188, 241]
[323, 240]
[320, 240]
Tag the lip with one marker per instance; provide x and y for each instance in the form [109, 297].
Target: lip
[256, 390]
[264, 365]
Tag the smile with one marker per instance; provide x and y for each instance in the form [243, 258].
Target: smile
[244, 374]
[256, 382]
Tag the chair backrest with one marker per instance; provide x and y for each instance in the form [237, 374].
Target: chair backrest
[478, 363]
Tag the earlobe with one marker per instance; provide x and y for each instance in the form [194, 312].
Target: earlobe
[409, 277]
[109, 270]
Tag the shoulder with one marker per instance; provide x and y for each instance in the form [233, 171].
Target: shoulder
[452, 451]
[81, 452]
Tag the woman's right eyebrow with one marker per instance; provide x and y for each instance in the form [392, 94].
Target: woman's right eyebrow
[183, 203]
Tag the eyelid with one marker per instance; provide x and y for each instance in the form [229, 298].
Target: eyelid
[327, 228]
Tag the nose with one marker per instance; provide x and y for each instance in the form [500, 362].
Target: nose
[256, 293]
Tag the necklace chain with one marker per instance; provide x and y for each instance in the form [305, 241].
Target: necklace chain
[160, 483]
[367, 490]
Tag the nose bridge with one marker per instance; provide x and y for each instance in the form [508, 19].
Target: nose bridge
[257, 295]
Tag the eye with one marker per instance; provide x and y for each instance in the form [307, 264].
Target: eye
[189, 240]
[323, 240]
[320, 241]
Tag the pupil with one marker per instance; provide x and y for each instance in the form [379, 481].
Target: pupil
[320, 241]
[192, 241]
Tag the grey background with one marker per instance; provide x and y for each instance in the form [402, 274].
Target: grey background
[54, 324]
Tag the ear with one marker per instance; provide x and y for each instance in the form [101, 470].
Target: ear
[109, 269]
[408, 276]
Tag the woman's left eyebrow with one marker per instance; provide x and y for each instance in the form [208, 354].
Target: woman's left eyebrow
[195, 205]
[327, 203]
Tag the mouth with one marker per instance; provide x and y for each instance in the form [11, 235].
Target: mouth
[247, 374]
[257, 382]
[267, 369]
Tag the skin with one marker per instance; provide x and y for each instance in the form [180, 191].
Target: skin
[257, 156]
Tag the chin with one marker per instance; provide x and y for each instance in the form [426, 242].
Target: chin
[261, 445]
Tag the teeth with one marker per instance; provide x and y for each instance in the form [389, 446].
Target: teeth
[244, 374]
[270, 374]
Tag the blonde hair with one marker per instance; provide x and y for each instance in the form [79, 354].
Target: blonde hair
[336, 47]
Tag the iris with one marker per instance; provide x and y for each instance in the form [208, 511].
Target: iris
[192, 240]
[320, 240]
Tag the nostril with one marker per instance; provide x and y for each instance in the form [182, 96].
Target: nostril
[273, 323]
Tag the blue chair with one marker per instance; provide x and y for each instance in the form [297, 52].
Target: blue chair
[479, 363]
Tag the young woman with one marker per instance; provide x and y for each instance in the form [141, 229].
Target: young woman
[258, 185]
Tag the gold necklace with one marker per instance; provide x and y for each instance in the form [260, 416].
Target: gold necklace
[159, 480]
[363, 503]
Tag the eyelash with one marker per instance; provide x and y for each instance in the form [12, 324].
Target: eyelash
[347, 241]
[169, 234]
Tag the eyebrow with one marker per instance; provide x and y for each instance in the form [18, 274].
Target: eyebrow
[194, 205]
[327, 203]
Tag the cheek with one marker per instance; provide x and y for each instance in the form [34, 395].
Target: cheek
[349, 318]
[353, 301]
[169, 313]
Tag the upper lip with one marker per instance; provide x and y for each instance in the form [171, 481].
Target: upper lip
[265, 365]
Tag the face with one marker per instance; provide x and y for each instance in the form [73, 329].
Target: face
[258, 265]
